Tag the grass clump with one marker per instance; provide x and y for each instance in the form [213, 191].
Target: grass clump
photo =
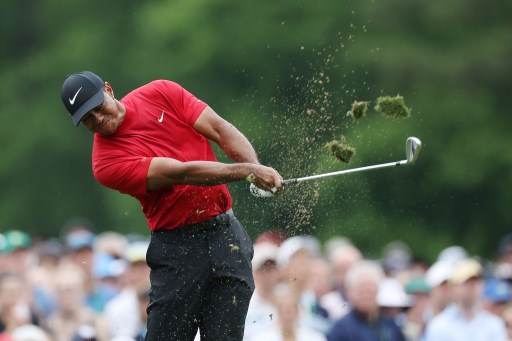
[359, 109]
[392, 107]
[341, 150]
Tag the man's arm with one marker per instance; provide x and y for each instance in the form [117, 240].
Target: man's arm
[229, 139]
[165, 172]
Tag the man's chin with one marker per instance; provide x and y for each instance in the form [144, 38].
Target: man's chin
[107, 129]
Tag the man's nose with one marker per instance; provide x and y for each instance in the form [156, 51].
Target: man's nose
[97, 115]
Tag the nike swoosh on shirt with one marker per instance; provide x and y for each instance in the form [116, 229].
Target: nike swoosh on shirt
[161, 118]
[72, 101]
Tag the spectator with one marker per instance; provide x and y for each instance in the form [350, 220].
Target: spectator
[112, 243]
[414, 327]
[79, 241]
[295, 258]
[503, 268]
[273, 236]
[18, 253]
[143, 298]
[393, 300]
[287, 326]
[106, 273]
[122, 313]
[261, 310]
[40, 277]
[364, 321]
[505, 250]
[72, 315]
[453, 254]
[342, 256]
[495, 295]
[507, 317]
[29, 332]
[465, 320]
[437, 278]
[320, 283]
[397, 257]
[14, 308]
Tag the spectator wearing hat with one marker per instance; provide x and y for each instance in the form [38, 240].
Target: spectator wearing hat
[29, 332]
[275, 237]
[440, 297]
[415, 321]
[364, 321]
[496, 294]
[17, 249]
[123, 313]
[287, 326]
[79, 241]
[41, 275]
[111, 243]
[261, 313]
[465, 320]
[295, 258]
[22, 261]
[393, 300]
[396, 258]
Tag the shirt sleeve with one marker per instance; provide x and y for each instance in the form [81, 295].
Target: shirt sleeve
[188, 107]
[126, 174]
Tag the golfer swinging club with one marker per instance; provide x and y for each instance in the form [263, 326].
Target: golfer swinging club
[153, 145]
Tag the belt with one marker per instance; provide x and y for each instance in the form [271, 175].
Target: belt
[214, 221]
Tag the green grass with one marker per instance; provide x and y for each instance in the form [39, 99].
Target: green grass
[341, 150]
[392, 107]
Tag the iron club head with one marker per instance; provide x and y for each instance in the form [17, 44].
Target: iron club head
[412, 149]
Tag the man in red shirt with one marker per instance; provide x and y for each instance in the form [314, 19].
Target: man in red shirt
[153, 145]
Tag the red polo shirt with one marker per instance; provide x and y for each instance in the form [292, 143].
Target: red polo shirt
[158, 123]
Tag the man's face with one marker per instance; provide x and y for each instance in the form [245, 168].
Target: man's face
[266, 276]
[105, 118]
[468, 293]
[363, 295]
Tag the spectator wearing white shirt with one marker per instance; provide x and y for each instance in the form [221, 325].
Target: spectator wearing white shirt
[287, 326]
[261, 313]
[465, 319]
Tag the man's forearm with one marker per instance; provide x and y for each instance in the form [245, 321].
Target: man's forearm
[206, 173]
[236, 145]
[164, 172]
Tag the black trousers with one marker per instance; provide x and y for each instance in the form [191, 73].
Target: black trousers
[201, 277]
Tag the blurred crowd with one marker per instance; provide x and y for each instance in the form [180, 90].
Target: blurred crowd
[87, 286]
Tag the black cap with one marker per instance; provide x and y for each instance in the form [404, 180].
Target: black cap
[80, 93]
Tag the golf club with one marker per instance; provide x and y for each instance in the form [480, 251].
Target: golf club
[412, 149]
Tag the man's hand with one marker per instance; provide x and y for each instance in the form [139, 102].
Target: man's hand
[266, 178]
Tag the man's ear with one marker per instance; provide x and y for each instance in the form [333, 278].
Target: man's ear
[109, 89]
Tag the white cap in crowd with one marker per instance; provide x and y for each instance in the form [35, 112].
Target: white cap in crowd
[465, 270]
[453, 254]
[392, 294]
[136, 251]
[439, 273]
[294, 244]
[264, 252]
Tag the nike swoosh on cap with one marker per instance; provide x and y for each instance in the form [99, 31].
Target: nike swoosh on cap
[72, 101]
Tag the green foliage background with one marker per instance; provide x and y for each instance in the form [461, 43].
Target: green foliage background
[285, 73]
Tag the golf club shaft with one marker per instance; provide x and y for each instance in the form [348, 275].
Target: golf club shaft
[346, 171]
